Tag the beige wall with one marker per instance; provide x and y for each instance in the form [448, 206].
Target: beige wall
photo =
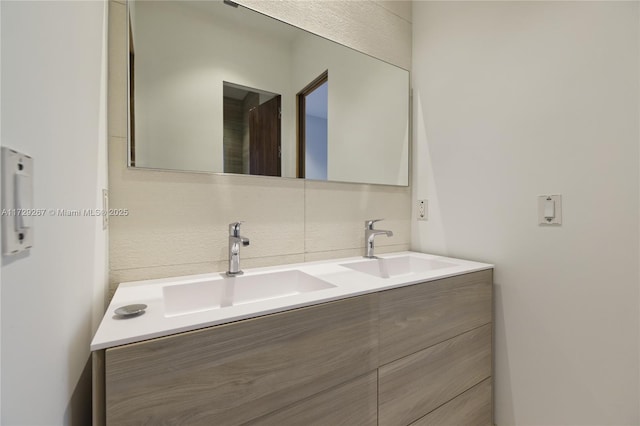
[178, 222]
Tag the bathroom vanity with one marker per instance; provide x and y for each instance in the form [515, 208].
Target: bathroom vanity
[401, 340]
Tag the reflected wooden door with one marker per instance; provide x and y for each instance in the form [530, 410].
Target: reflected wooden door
[319, 110]
[264, 139]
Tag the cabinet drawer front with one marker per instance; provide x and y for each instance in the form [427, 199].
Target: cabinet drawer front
[415, 385]
[472, 408]
[236, 372]
[418, 316]
[354, 403]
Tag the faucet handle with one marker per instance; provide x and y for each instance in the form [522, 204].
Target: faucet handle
[368, 224]
[234, 229]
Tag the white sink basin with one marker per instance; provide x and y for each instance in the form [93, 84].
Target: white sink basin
[395, 266]
[199, 296]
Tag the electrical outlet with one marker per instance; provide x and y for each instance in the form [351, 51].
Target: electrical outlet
[422, 209]
[105, 209]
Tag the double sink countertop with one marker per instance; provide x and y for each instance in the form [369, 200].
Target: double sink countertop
[179, 304]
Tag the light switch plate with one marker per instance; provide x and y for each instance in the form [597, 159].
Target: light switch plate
[17, 209]
[557, 203]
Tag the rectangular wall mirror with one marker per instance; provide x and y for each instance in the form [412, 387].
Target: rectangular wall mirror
[220, 88]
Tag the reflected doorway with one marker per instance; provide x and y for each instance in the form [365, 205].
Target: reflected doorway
[313, 107]
[252, 131]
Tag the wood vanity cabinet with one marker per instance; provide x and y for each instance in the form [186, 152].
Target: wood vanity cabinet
[435, 343]
[237, 372]
[417, 355]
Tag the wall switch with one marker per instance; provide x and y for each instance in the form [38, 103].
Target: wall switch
[17, 202]
[422, 210]
[550, 209]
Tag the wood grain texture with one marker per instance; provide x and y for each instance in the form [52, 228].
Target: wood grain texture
[354, 403]
[413, 386]
[338, 210]
[118, 69]
[236, 372]
[418, 316]
[183, 218]
[233, 133]
[362, 25]
[401, 8]
[472, 408]
[98, 408]
[354, 252]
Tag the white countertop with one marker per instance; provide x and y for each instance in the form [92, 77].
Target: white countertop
[115, 330]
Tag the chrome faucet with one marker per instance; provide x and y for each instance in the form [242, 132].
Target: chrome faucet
[369, 235]
[235, 239]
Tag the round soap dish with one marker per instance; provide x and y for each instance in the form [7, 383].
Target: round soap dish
[130, 311]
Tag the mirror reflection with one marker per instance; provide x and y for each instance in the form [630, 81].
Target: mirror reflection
[251, 139]
[217, 88]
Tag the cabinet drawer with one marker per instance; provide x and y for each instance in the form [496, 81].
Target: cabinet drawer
[418, 316]
[354, 403]
[417, 384]
[234, 373]
[472, 408]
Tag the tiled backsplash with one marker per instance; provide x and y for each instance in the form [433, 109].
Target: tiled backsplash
[178, 222]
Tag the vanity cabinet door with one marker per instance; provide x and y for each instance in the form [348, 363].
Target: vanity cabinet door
[472, 408]
[415, 385]
[234, 373]
[418, 316]
[354, 403]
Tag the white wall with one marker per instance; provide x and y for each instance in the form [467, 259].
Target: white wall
[517, 99]
[101, 173]
[0, 226]
[53, 109]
